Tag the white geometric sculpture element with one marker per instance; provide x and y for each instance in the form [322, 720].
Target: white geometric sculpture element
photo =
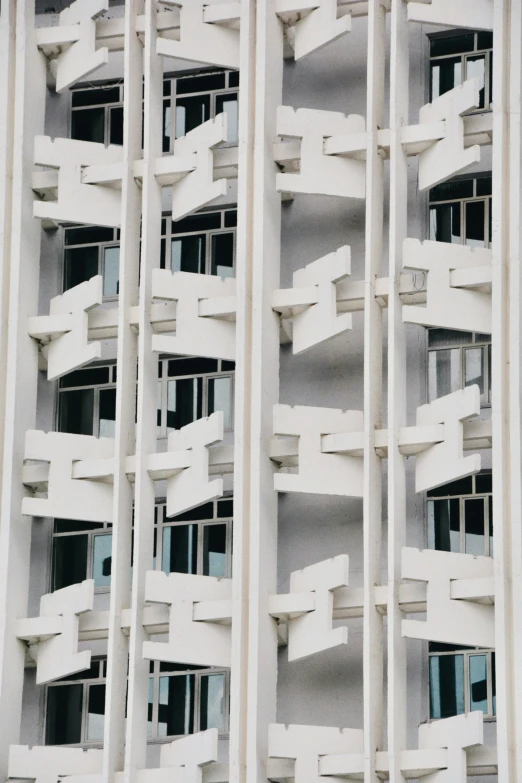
[475, 14]
[456, 734]
[445, 461]
[312, 632]
[80, 58]
[67, 497]
[58, 655]
[320, 174]
[192, 753]
[319, 473]
[67, 328]
[307, 744]
[48, 763]
[448, 307]
[79, 202]
[319, 322]
[318, 28]
[448, 157]
[449, 620]
[190, 487]
[201, 303]
[198, 40]
[198, 188]
[197, 639]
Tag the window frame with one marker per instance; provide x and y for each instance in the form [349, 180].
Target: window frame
[485, 398]
[462, 203]
[116, 242]
[168, 235]
[467, 653]
[102, 85]
[464, 56]
[97, 388]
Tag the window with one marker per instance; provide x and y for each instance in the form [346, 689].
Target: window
[97, 114]
[190, 389]
[460, 516]
[198, 541]
[203, 243]
[188, 101]
[460, 212]
[89, 251]
[87, 402]
[182, 700]
[456, 57]
[461, 680]
[456, 360]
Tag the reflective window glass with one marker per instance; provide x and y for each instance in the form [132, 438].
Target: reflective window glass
[478, 683]
[228, 104]
[445, 223]
[223, 255]
[446, 685]
[95, 712]
[444, 525]
[191, 112]
[474, 367]
[212, 702]
[184, 402]
[81, 263]
[111, 271]
[474, 526]
[176, 705]
[475, 225]
[444, 372]
[187, 254]
[180, 549]
[215, 550]
[107, 422]
[69, 560]
[445, 75]
[476, 69]
[102, 560]
[220, 397]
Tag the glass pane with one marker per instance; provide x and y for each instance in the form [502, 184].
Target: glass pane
[88, 125]
[223, 255]
[484, 482]
[220, 397]
[83, 235]
[212, 702]
[474, 526]
[445, 75]
[81, 263]
[102, 560]
[183, 402]
[444, 375]
[460, 487]
[476, 69]
[94, 376]
[69, 561]
[445, 223]
[451, 44]
[166, 126]
[76, 411]
[475, 223]
[176, 705]
[96, 713]
[215, 550]
[490, 503]
[107, 425]
[204, 83]
[150, 707]
[93, 97]
[63, 725]
[191, 112]
[446, 685]
[180, 549]
[448, 338]
[478, 683]
[228, 105]
[444, 525]
[116, 125]
[197, 366]
[111, 271]
[474, 367]
[494, 683]
[450, 191]
[187, 254]
[205, 221]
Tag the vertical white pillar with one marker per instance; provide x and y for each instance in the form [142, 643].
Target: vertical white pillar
[372, 498]
[257, 499]
[506, 459]
[21, 277]
[239, 686]
[117, 652]
[397, 671]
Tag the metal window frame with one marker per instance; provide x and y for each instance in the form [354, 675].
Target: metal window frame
[485, 398]
[490, 716]
[464, 58]
[96, 407]
[462, 528]
[101, 249]
[168, 236]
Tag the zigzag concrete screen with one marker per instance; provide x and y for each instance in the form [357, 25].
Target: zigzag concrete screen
[346, 375]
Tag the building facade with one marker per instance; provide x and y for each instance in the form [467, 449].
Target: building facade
[260, 322]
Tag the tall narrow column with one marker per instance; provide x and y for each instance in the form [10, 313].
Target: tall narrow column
[397, 672]
[372, 498]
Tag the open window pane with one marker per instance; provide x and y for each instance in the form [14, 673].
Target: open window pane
[220, 397]
[446, 685]
[474, 526]
[180, 549]
[81, 263]
[102, 560]
[96, 712]
[475, 223]
[228, 104]
[76, 411]
[187, 254]
[212, 702]
[69, 560]
[444, 525]
[111, 271]
[476, 69]
[215, 550]
[223, 255]
[63, 725]
[107, 423]
[445, 75]
[478, 683]
[176, 705]
[444, 372]
[191, 112]
[445, 223]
